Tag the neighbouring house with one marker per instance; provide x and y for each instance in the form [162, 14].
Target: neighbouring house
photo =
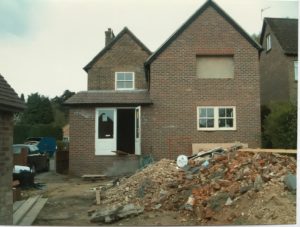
[10, 103]
[279, 60]
[200, 86]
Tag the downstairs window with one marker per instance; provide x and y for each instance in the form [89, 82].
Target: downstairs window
[210, 118]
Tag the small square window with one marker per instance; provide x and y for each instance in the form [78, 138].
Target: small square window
[206, 118]
[124, 81]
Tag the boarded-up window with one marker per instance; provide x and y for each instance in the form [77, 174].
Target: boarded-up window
[215, 67]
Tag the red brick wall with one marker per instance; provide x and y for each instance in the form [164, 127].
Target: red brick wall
[169, 127]
[277, 73]
[125, 55]
[82, 159]
[6, 166]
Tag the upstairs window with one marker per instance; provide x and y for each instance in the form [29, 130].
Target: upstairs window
[124, 80]
[296, 70]
[211, 118]
[215, 67]
[269, 42]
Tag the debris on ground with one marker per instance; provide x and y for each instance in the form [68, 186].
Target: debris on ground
[203, 187]
[115, 213]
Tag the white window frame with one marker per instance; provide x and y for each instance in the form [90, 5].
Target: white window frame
[216, 118]
[269, 42]
[296, 70]
[125, 89]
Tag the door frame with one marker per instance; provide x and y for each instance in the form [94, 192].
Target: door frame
[137, 141]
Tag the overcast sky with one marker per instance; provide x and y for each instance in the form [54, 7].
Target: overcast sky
[44, 44]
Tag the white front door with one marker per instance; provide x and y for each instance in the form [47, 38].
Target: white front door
[138, 130]
[106, 131]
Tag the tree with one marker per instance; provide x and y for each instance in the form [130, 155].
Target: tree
[59, 109]
[22, 97]
[39, 110]
[256, 37]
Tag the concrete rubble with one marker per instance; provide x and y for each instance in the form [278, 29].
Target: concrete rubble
[204, 187]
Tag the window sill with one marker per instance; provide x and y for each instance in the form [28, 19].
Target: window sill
[127, 89]
[215, 78]
[216, 129]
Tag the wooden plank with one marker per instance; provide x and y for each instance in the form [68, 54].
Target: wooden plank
[23, 209]
[283, 151]
[118, 152]
[93, 176]
[98, 196]
[198, 147]
[29, 218]
[17, 204]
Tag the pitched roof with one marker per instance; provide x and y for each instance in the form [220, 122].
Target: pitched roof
[107, 47]
[9, 100]
[286, 32]
[192, 19]
[110, 97]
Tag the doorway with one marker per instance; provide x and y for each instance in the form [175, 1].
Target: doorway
[126, 130]
[118, 129]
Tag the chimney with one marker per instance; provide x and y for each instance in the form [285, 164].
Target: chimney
[109, 36]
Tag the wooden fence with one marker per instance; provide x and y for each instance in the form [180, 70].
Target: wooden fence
[62, 161]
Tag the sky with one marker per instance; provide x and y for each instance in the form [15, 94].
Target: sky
[44, 44]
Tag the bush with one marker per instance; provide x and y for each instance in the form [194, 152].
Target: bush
[280, 126]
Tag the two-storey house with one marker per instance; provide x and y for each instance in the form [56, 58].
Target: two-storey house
[200, 86]
[279, 60]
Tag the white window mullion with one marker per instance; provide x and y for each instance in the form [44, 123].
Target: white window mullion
[216, 116]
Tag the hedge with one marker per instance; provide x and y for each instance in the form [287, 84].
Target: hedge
[280, 126]
[21, 132]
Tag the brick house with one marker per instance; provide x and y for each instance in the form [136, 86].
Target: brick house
[200, 86]
[279, 60]
[9, 104]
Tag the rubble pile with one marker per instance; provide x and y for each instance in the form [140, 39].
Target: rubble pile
[204, 186]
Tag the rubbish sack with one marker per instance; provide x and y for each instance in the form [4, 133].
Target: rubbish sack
[18, 169]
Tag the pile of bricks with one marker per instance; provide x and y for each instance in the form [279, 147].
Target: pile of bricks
[206, 188]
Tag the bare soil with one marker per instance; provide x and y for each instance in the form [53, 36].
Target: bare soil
[70, 199]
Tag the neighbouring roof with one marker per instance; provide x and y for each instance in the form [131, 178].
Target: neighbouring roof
[107, 47]
[192, 19]
[9, 100]
[286, 32]
[110, 97]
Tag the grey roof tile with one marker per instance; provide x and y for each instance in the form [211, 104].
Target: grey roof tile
[110, 97]
[9, 100]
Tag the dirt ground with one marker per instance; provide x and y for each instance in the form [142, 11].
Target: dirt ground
[70, 199]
